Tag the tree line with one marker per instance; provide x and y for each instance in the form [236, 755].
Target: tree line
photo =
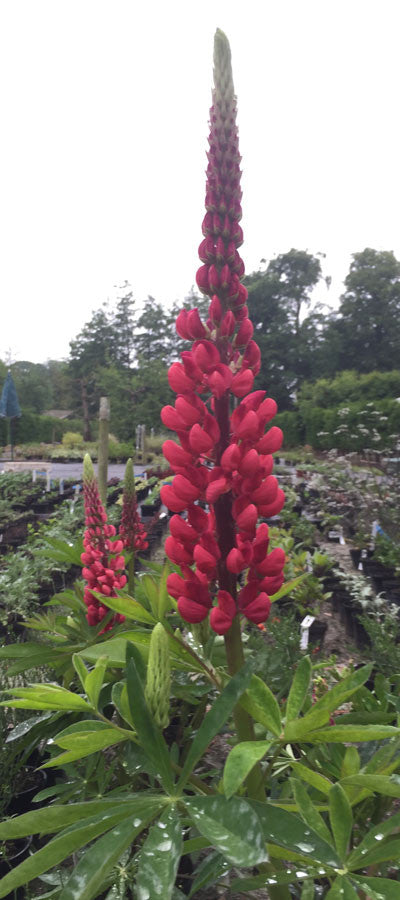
[123, 352]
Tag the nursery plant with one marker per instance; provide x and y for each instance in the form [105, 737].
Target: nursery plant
[294, 797]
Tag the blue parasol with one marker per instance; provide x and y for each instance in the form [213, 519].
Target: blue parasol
[9, 406]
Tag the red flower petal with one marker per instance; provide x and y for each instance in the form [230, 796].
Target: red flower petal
[191, 611]
[220, 623]
[171, 499]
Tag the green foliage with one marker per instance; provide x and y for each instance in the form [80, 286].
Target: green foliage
[32, 427]
[352, 426]
[348, 387]
[72, 439]
[368, 322]
[288, 346]
[292, 426]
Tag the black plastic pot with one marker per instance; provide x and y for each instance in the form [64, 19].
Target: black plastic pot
[317, 631]
[391, 584]
[13, 853]
[28, 782]
[142, 494]
[360, 634]
[355, 554]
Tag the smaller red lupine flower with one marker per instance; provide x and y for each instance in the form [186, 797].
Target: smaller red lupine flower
[103, 566]
[131, 529]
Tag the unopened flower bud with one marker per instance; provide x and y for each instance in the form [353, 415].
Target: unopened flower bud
[158, 680]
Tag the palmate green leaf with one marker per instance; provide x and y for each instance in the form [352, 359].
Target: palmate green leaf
[287, 830]
[62, 551]
[340, 734]
[383, 758]
[84, 743]
[151, 591]
[374, 717]
[22, 729]
[232, 826]
[308, 812]
[341, 819]
[55, 818]
[116, 651]
[378, 888]
[320, 712]
[288, 876]
[315, 779]
[212, 867]
[60, 847]
[159, 858]
[45, 696]
[92, 869]
[164, 600]
[299, 689]
[94, 680]
[128, 607]
[372, 839]
[29, 655]
[260, 702]
[119, 696]
[308, 892]
[287, 588]
[80, 669]
[383, 852]
[389, 785]
[341, 889]
[351, 762]
[149, 735]
[68, 598]
[240, 762]
[216, 717]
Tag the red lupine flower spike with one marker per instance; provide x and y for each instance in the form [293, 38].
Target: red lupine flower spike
[103, 573]
[224, 457]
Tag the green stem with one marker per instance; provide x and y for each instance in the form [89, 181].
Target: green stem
[131, 574]
[102, 464]
[243, 722]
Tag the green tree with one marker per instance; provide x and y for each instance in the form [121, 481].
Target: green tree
[154, 340]
[33, 385]
[123, 322]
[92, 350]
[288, 343]
[368, 320]
[61, 384]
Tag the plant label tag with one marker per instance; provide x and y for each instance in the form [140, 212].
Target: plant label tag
[305, 626]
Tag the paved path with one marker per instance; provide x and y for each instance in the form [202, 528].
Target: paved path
[75, 470]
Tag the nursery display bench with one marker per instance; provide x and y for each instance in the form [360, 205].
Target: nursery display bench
[37, 468]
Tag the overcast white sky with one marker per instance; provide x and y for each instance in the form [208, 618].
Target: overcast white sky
[104, 109]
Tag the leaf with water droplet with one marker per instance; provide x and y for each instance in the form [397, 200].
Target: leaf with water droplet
[159, 858]
[287, 830]
[231, 826]
[341, 819]
[378, 888]
[372, 840]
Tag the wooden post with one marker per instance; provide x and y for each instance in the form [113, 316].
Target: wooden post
[104, 420]
[143, 443]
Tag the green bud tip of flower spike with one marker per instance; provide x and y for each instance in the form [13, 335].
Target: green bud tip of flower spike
[223, 79]
[129, 480]
[88, 470]
[158, 681]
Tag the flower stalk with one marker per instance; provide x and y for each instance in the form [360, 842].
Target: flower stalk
[132, 530]
[103, 564]
[223, 461]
